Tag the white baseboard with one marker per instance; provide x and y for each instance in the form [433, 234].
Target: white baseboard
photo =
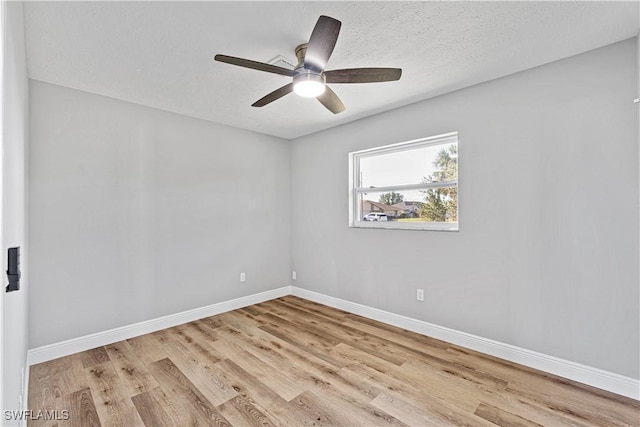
[75, 345]
[599, 378]
[595, 377]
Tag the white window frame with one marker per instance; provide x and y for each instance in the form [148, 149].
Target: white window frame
[355, 208]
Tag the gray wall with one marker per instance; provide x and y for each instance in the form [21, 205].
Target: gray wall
[14, 323]
[137, 213]
[547, 253]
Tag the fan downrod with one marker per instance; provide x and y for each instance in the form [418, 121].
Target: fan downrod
[301, 51]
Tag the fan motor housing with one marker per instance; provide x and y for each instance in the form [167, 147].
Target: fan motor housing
[307, 82]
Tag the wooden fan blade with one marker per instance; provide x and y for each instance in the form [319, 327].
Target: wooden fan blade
[330, 100]
[276, 94]
[363, 75]
[321, 43]
[254, 65]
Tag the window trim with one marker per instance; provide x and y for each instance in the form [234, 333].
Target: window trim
[354, 192]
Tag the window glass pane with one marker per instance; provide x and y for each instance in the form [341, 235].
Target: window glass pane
[425, 164]
[426, 206]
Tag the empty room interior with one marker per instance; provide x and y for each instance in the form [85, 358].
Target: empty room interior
[448, 234]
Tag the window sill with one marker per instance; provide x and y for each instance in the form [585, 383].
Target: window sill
[395, 225]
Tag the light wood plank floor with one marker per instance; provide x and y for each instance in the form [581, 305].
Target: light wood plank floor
[290, 361]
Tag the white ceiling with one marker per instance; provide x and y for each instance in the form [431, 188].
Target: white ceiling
[160, 54]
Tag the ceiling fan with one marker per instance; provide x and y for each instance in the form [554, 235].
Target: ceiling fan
[309, 76]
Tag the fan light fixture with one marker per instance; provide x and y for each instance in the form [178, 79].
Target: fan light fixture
[309, 85]
[310, 76]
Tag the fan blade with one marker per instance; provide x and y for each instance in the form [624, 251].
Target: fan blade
[321, 43]
[330, 100]
[276, 94]
[363, 75]
[254, 65]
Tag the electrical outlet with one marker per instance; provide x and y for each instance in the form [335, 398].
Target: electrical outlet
[420, 294]
[243, 277]
[293, 275]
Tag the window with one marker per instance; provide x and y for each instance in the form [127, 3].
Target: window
[411, 185]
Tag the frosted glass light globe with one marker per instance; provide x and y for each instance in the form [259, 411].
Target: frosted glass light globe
[308, 88]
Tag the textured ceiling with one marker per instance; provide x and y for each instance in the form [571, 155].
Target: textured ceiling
[160, 54]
